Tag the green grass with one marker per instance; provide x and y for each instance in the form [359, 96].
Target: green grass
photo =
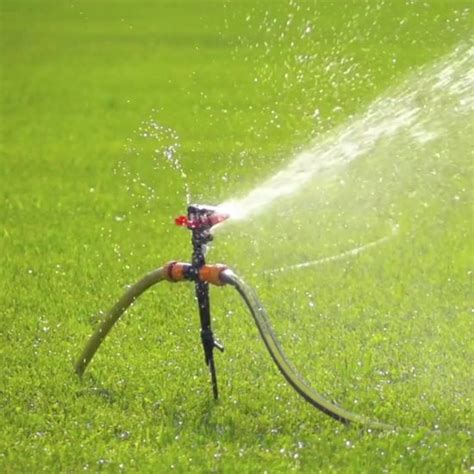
[386, 334]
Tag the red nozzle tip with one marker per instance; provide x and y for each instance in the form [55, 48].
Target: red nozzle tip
[181, 221]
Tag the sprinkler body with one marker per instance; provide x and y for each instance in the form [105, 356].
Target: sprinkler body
[200, 221]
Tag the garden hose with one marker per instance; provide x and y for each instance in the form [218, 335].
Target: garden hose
[284, 365]
[114, 314]
[221, 275]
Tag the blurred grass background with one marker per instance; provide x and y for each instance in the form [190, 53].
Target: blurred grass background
[240, 87]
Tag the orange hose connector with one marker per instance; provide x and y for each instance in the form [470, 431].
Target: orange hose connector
[178, 271]
[212, 274]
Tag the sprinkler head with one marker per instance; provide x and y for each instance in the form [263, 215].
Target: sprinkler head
[201, 217]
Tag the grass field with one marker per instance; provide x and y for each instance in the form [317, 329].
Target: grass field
[90, 185]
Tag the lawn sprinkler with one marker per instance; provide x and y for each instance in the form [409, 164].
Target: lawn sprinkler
[200, 220]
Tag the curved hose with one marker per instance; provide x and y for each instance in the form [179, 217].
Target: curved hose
[114, 314]
[293, 378]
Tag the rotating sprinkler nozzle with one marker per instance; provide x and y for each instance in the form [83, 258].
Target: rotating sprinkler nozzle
[201, 217]
[200, 220]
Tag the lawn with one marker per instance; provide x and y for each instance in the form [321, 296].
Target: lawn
[115, 114]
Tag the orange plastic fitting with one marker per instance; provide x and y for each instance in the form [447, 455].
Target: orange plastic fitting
[176, 271]
[212, 274]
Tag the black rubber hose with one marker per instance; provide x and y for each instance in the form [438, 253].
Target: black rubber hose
[114, 314]
[284, 365]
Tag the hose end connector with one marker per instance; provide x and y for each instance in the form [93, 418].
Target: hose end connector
[212, 274]
[177, 271]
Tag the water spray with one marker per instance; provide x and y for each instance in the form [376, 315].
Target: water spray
[200, 220]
